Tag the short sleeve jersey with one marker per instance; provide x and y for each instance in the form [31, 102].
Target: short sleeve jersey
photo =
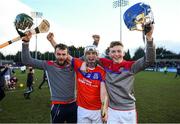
[88, 85]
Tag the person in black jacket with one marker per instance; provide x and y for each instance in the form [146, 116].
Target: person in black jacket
[3, 70]
[44, 79]
[178, 71]
[29, 83]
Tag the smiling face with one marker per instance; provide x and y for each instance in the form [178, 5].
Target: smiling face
[91, 55]
[116, 51]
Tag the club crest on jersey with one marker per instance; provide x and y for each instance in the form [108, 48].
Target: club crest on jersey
[96, 76]
[91, 75]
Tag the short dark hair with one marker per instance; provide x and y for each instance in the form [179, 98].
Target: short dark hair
[95, 35]
[116, 43]
[61, 46]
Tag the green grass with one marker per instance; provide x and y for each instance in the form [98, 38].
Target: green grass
[157, 95]
[18, 110]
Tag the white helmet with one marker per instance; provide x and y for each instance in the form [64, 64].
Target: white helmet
[90, 48]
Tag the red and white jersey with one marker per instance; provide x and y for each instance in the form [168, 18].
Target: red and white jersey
[88, 85]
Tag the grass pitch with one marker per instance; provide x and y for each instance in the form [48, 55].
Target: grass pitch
[157, 95]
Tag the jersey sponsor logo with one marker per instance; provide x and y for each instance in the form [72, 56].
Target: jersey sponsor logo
[87, 82]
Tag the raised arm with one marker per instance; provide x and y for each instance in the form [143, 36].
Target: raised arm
[150, 48]
[96, 39]
[150, 54]
[50, 38]
[26, 57]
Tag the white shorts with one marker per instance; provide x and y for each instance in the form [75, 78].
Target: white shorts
[117, 116]
[86, 116]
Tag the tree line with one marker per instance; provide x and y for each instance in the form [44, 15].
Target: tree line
[161, 53]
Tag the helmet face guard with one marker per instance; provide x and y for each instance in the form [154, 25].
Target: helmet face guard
[22, 23]
[137, 16]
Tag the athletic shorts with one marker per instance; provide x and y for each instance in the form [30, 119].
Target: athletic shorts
[117, 116]
[86, 116]
[61, 113]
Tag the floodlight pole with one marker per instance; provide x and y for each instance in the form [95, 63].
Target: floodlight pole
[120, 3]
[36, 15]
[120, 23]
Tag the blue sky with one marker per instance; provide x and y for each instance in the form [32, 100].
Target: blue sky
[74, 21]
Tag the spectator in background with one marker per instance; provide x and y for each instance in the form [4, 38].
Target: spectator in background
[29, 83]
[178, 71]
[13, 82]
[165, 69]
[44, 79]
[8, 75]
[3, 70]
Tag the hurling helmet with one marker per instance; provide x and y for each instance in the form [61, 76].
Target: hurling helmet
[137, 16]
[22, 23]
[90, 48]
